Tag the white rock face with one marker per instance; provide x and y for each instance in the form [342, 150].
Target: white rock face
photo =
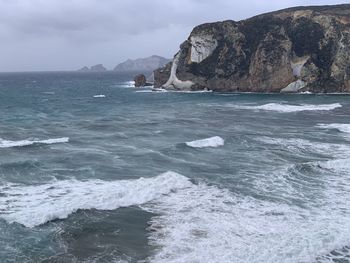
[294, 86]
[297, 65]
[202, 47]
[173, 82]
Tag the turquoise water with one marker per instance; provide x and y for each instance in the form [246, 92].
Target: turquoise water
[125, 177]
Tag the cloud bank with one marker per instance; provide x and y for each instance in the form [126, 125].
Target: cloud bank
[67, 34]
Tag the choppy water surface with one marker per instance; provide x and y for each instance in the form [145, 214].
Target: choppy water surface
[92, 170]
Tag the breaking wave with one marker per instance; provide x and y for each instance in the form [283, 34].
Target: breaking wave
[338, 126]
[296, 145]
[196, 222]
[35, 205]
[203, 223]
[284, 108]
[21, 143]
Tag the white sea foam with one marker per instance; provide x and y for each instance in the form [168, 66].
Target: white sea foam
[215, 141]
[99, 96]
[126, 84]
[35, 205]
[338, 126]
[144, 91]
[203, 223]
[337, 165]
[297, 145]
[206, 224]
[195, 222]
[159, 90]
[285, 108]
[192, 91]
[49, 92]
[21, 143]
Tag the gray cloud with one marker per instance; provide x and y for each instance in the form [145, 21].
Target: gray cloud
[67, 34]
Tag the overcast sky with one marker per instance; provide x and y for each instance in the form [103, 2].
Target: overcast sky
[69, 34]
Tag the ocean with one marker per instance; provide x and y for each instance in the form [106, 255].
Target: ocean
[94, 170]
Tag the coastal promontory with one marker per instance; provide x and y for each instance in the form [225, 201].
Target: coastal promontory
[293, 50]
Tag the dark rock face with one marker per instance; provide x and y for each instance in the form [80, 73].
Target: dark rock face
[292, 50]
[140, 81]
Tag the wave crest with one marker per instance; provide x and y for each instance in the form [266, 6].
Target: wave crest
[204, 223]
[215, 141]
[21, 143]
[35, 205]
[285, 108]
[342, 127]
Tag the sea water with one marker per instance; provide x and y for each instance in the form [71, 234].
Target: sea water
[94, 170]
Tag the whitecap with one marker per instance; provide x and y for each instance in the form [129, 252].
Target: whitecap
[126, 84]
[159, 90]
[144, 91]
[215, 141]
[204, 223]
[195, 222]
[337, 165]
[285, 108]
[192, 91]
[99, 96]
[35, 205]
[342, 127]
[21, 143]
[297, 145]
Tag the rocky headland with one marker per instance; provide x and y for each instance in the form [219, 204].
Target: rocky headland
[293, 50]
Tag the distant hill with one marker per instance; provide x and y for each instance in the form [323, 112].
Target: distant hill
[142, 65]
[96, 68]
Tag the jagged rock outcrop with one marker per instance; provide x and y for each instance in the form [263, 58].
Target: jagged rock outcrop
[142, 65]
[292, 50]
[140, 81]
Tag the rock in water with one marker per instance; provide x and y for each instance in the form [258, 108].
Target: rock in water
[294, 50]
[140, 80]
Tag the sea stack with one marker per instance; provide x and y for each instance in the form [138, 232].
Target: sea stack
[141, 81]
[293, 50]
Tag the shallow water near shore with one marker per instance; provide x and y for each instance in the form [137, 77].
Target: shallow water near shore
[93, 170]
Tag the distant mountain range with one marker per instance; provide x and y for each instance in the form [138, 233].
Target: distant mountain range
[142, 65]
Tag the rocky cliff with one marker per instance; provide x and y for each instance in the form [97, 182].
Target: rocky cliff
[292, 50]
